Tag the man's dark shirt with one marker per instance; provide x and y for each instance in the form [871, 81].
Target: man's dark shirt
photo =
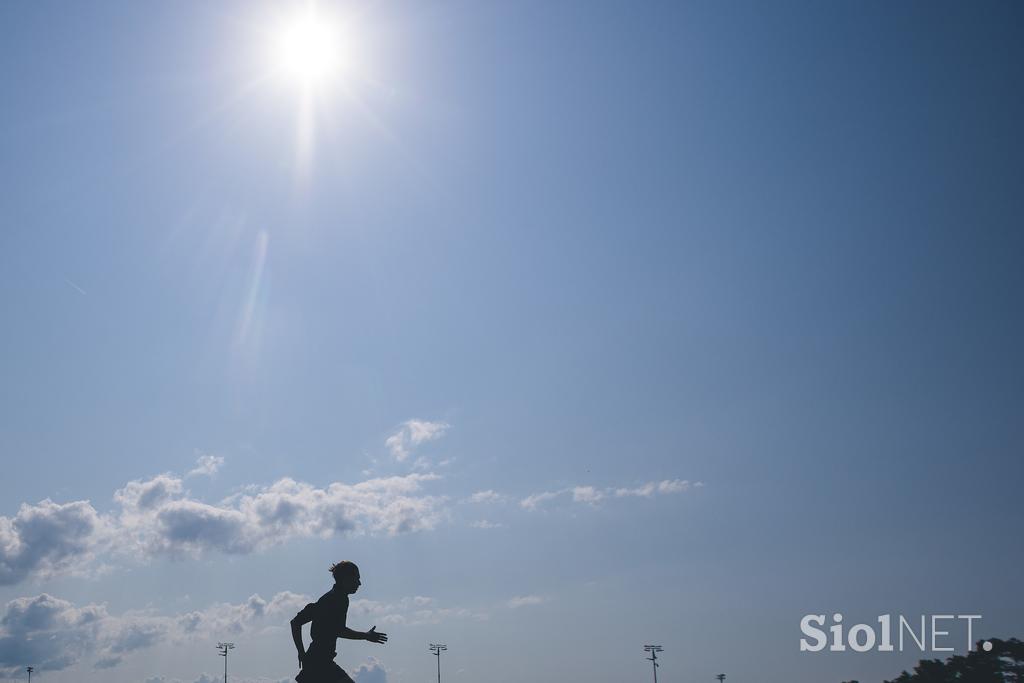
[328, 615]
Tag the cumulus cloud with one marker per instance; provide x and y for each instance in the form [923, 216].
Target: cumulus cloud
[158, 516]
[56, 634]
[206, 466]
[138, 496]
[136, 634]
[370, 671]
[265, 516]
[48, 538]
[25, 616]
[234, 619]
[50, 632]
[411, 434]
[524, 601]
[592, 496]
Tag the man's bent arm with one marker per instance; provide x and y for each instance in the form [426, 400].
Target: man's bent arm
[297, 638]
[303, 617]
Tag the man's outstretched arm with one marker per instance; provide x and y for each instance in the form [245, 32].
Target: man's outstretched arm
[372, 635]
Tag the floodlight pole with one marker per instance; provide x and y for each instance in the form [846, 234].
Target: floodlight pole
[29, 669]
[720, 677]
[224, 647]
[653, 659]
[437, 649]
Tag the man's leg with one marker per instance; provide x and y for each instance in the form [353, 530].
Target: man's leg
[339, 675]
[323, 672]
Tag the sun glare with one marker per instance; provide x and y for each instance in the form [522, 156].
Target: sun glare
[311, 50]
[316, 57]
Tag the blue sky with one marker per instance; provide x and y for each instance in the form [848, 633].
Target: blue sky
[578, 326]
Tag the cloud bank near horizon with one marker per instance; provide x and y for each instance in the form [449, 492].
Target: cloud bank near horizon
[158, 517]
[57, 634]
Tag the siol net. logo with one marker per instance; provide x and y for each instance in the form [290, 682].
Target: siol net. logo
[929, 633]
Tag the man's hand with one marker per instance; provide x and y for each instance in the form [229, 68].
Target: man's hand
[375, 637]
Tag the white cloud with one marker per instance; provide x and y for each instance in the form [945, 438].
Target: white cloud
[487, 496]
[138, 496]
[50, 632]
[49, 538]
[592, 496]
[645, 491]
[532, 502]
[137, 634]
[55, 634]
[206, 466]
[371, 671]
[233, 619]
[411, 434]
[485, 524]
[657, 487]
[524, 601]
[265, 516]
[586, 494]
[46, 613]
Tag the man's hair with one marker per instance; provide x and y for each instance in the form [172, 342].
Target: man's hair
[344, 568]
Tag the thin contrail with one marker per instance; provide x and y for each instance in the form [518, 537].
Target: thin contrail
[77, 288]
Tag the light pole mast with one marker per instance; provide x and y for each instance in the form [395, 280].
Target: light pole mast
[29, 669]
[653, 659]
[437, 649]
[224, 647]
[720, 677]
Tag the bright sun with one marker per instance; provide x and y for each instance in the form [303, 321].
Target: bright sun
[311, 49]
[316, 57]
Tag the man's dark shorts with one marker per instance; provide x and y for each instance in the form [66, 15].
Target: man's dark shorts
[322, 672]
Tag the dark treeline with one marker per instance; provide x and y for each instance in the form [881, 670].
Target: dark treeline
[1004, 663]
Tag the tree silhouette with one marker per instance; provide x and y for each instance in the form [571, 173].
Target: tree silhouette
[1004, 663]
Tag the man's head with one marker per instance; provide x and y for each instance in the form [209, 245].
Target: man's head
[346, 576]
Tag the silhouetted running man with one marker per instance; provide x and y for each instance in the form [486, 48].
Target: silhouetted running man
[328, 615]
